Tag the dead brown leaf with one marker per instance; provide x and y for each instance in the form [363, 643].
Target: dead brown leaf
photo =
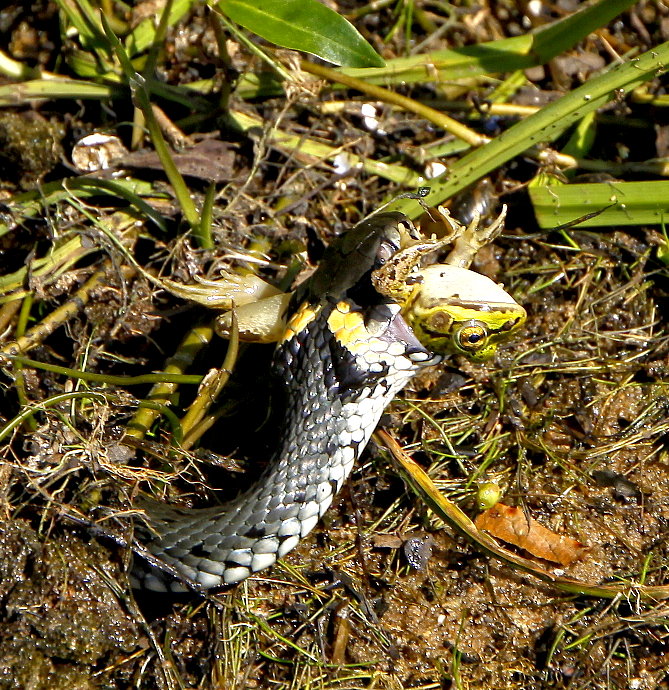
[512, 525]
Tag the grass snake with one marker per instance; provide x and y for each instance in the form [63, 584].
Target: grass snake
[344, 353]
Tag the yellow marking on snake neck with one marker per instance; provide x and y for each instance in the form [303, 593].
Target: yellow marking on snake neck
[304, 315]
[348, 327]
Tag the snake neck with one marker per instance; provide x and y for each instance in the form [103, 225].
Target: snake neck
[340, 367]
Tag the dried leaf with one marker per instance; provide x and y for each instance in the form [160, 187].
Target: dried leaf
[387, 541]
[513, 526]
[210, 159]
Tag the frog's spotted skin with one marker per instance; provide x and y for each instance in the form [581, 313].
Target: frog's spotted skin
[342, 356]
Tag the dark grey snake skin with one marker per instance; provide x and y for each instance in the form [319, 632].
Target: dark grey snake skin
[349, 353]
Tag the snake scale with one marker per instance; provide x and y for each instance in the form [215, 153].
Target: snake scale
[345, 352]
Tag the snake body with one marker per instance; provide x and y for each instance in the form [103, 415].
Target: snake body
[345, 353]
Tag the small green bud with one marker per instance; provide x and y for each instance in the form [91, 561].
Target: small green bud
[488, 495]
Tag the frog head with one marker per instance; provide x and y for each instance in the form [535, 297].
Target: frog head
[453, 310]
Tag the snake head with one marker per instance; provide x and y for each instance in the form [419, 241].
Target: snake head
[367, 246]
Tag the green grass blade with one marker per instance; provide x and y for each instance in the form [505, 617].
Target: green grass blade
[39, 89]
[141, 95]
[144, 34]
[542, 127]
[203, 235]
[624, 203]
[99, 184]
[558, 37]
[29, 204]
[505, 55]
[158, 41]
[85, 21]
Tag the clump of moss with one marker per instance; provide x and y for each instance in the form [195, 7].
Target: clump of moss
[30, 147]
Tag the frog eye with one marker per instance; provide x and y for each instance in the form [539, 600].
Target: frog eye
[471, 337]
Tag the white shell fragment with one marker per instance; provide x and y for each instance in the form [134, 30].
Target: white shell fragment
[98, 151]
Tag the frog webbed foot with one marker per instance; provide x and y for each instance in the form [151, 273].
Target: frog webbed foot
[468, 239]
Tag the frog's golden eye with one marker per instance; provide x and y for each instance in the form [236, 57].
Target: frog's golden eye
[471, 337]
